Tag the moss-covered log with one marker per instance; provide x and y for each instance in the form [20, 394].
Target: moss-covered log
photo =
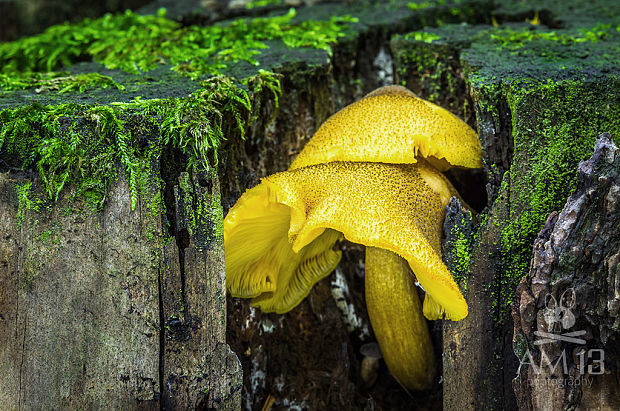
[119, 157]
[113, 305]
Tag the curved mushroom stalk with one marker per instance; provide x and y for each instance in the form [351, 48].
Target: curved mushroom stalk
[396, 316]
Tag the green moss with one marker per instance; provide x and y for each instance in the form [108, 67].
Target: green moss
[29, 274]
[548, 145]
[426, 65]
[48, 139]
[554, 127]
[186, 194]
[424, 36]
[264, 82]
[560, 55]
[201, 212]
[135, 43]
[217, 216]
[25, 202]
[262, 3]
[81, 145]
[514, 39]
[60, 81]
[459, 243]
[462, 248]
[51, 236]
[424, 4]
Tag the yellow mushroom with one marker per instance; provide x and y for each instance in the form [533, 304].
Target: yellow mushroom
[280, 235]
[392, 125]
[400, 329]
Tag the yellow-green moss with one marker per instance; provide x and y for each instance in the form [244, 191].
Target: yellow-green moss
[514, 39]
[136, 43]
[425, 4]
[25, 202]
[459, 251]
[555, 125]
[424, 36]
[262, 3]
[429, 69]
[59, 81]
[81, 144]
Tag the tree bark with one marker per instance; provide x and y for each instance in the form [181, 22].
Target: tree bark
[566, 314]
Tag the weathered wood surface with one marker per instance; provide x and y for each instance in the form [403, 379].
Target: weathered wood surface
[566, 311]
[199, 370]
[96, 312]
[80, 312]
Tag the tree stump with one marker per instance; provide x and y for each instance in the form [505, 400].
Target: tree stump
[112, 287]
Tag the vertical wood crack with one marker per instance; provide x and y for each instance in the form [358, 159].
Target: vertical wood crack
[21, 365]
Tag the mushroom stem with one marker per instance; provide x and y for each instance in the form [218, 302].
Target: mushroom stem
[396, 316]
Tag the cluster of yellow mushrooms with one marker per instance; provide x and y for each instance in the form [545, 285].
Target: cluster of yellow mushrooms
[370, 174]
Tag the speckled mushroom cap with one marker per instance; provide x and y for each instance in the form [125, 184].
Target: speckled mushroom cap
[279, 236]
[392, 125]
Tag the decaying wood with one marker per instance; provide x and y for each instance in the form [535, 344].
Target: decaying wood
[566, 312]
[105, 310]
[199, 370]
[79, 315]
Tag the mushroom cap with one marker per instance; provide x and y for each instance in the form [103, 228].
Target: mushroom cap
[392, 125]
[279, 236]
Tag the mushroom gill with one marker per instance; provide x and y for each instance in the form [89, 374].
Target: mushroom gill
[279, 237]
